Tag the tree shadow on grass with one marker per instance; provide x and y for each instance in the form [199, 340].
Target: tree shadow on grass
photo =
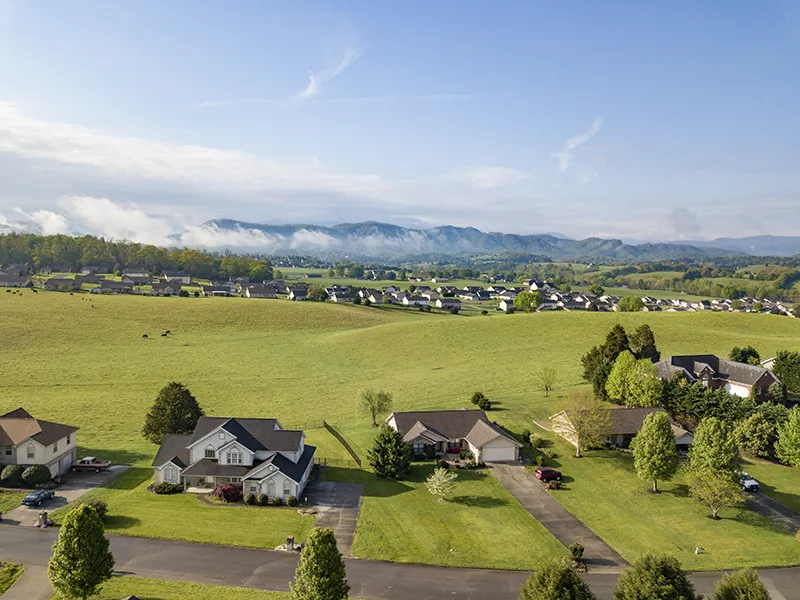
[115, 522]
[479, 501]
[130, 479]
[754, 519]
[679, 490]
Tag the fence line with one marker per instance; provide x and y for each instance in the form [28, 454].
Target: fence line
[336, 462]
[343, 442]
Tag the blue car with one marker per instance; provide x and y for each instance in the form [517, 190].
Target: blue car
[36, 498]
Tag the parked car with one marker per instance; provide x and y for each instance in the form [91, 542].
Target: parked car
[748, 483]
[547, 474]
[90, 463]
[36, 498]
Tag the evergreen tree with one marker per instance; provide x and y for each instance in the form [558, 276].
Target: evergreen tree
[741, 585]
[81, 560]
[598, 362]
[787, 448]
[787, 369]
[320, 574]
[555, 581]
[441, 482]
[654, 578]
[748, 355]
[617, 385]
[643, 344]
[390, 456]
[616, 343]
[654, 452]
[714, 448]
[174, 411]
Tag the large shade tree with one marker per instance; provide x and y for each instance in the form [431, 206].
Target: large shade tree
[654, 577]
[589, 420]
[175, 410]
[714, 448]
[375, 403]
[655, 454]
[787, 448]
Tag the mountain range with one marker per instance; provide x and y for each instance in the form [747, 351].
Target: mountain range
[373, 240]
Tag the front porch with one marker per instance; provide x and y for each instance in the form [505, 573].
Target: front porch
[204, 484]
[424, 450]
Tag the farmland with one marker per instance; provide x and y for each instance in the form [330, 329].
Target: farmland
[83, 361]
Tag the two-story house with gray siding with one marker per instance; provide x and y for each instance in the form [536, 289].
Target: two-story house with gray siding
[27, 441]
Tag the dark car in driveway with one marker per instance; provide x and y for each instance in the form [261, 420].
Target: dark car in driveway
[36, 498]
[547, 474]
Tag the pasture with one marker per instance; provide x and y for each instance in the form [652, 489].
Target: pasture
[303, 362]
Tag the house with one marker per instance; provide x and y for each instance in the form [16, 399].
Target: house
[448, 303]
[216, 290]
[431, 433]
[90, 279]
[90, 270]
[298, 293]
[27, 441]
[440, 279]
[430, 295]
[136, 273]
[340, 295]
[14, 281]
[177, 277]
[415, 301]
[483, 295]
[108, 286]
[258, 454]
[375, 298]
[507, 306]
[738, 379]
[165, 288]
[259, 290]
[15, 270]
[61, 284]
[137, 279]
[624, 424]
[231, 285]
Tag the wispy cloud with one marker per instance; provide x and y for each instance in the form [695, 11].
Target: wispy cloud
[566, 156]
[443, 97]
[317, 78]
[488, 176]
[423, 98]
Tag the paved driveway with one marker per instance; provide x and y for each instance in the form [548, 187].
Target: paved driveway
[338, 505]
[75, 485]
[565, 526]
[775, 511]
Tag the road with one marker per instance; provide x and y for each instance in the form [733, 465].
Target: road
[271, 570]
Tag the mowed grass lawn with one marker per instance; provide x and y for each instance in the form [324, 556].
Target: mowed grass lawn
[602, 490]
[9, 500]
[778, 481]
[9, 573]
[157, 589]
[135, 511]
[82, 360]
[480, 524]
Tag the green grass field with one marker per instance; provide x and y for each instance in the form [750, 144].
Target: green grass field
[9, 573]
[9, 500]
[304, 362]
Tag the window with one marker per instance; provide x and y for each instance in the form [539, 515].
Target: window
[419, 448]
[271, 488]
[8, 450]
[170, 476]
[253, 487]
[234, 458]
[31, 451]
[287, 488]
[69, 440]
[211, 452]
[55, 446]
[222, 435]
[235, 479]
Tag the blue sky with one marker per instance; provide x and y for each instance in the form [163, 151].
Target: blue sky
[633, 120]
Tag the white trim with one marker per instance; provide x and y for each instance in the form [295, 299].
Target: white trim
[169, 462]
[210, 433]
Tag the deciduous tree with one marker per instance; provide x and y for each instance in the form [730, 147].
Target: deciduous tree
[787, 369]
[527, 301]
[555, 580]
[175, 411]
[654, 578]
[618, 383]
[715, 489]
[655, 454]
[81, 560]
[644, 385]
[547, 377]
[630, 304]
[441, 482]
[390, 456]
[714, 448]
[787, 448]
[741, 585]
[317, 293]
[589, 420]
[320, 574]
[375, 403]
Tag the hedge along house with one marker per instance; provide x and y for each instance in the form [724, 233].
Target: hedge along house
[27, 441]
[257, 454]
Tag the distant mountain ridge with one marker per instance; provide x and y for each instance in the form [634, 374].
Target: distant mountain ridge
[757, 245]
[382, 241]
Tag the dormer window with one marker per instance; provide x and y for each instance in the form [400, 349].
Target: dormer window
[222, 435]
[211, 452]
[234, 457]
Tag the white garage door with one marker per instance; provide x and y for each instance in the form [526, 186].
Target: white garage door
[498, 454]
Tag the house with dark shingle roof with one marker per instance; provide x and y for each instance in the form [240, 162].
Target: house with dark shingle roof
[258, 454]
[27, 441]
[738, 379]
[435, 432]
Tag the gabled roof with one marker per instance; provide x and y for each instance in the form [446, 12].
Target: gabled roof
[174, 448]
[18, 426]
[729, 370]
[254, 434]
[420, 430]
[472, 425]
[482, 433]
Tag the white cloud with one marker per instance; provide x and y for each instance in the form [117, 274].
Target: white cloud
[566, 157]
[47, 222]
[317, 78]
[489, 176]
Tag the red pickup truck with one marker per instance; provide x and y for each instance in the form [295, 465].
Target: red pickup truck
[90, 463]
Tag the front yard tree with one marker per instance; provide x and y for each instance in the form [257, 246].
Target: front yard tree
[547, 377]
[320, 574]
[441, 482]
[617, 385]
[715, 489]
[527, 301]
[714, 448]
[643, 344]
[375, 403]
[787, 369]
[654, 578]
[748, 355]
[655, 454]
[81, 560]
[741, 585]
[557, 580]
[175, 411]
[589, 420]
[390, 456]
[787, 448]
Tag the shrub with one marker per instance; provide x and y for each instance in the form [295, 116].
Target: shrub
[99, 506]
[47, 485]
[278, 501]
[183, 293]
[263, 499]
[367, 302]
[553, 485]
[526, 436]
[291, 501]
[535, 440]
[553, 455]
[227, 492]
[576, 550]
[36, 474]
[250, 499]
[12, 476]
[484, 312]
[454, 311]
[165, 488]
[538, 460]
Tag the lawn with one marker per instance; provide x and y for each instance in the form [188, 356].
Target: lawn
[480, 525]
[135, 511]
[303, 362]
[780, 482]
[9, 573]
[157, 589]
[602, 490]
[9, 500]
